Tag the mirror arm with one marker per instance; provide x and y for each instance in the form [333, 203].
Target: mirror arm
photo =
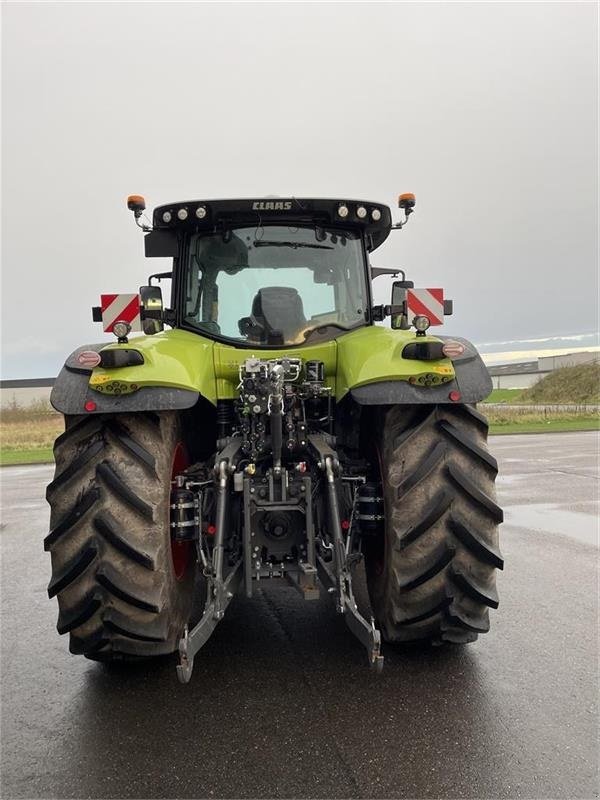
[158, 314]
[377, 271]
[407, 212]
[146, 228]
[379, 313]
[159, 276]
[165, 315]
[392, 311]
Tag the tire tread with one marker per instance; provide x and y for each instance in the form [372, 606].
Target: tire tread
[109, 539]
[437, 578]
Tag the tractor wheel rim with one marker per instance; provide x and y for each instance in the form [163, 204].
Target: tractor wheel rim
[181, 552]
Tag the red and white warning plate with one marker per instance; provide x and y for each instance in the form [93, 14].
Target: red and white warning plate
[120, 308]
[426, 302]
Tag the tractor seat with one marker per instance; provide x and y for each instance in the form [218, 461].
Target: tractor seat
[277, 314]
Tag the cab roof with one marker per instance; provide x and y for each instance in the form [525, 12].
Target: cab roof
[374, 219]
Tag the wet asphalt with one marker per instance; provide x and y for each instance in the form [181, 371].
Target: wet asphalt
[282, 704]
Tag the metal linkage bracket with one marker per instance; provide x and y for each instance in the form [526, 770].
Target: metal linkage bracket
[220, 590]
[305, 581]
[366, 632]
[340, 581]
[190, 643]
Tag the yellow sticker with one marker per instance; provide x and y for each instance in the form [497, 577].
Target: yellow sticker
[95, 380]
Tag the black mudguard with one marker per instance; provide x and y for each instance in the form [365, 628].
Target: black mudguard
[472, 381]
[71, 392]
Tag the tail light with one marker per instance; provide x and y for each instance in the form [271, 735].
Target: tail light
[453, 349]
[89, 359]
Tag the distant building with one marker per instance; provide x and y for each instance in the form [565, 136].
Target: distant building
[523, 374]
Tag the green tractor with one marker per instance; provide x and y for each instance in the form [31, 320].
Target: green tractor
[275, 431]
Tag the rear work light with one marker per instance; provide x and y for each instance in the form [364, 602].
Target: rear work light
[421, 323]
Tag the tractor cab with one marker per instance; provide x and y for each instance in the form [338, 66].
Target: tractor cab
[276, 272]
[270, 272]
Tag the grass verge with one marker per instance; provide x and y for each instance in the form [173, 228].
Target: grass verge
[565, 386]
[27, 435]
[550, 426]
[580, 384]
[35, 456]
[504, 396]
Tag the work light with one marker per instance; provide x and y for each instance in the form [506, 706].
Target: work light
[421, 322]
[121, 329]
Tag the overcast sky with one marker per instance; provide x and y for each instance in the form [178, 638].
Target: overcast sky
[488, 112]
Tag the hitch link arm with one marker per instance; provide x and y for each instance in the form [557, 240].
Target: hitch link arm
[220, 591]
[341, 582]
[339, 551]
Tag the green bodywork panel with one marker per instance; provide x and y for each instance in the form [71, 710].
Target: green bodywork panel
[184, 360]
[177, 359]
[373, 354]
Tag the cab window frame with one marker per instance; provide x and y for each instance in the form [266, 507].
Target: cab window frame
[180, 274]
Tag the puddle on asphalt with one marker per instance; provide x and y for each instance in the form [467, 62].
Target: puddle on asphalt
[549, 518]
[507, 479]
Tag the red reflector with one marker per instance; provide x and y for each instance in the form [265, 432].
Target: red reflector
[211, 530]
[453, 349]
[89, 405]
[345, 524]
[454, 396]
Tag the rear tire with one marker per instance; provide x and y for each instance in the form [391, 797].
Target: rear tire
[432, 574]
[110, 544]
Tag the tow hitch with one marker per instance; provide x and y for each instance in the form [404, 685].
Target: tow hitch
[333, 561]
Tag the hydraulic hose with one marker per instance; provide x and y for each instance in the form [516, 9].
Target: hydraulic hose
[276, 402]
